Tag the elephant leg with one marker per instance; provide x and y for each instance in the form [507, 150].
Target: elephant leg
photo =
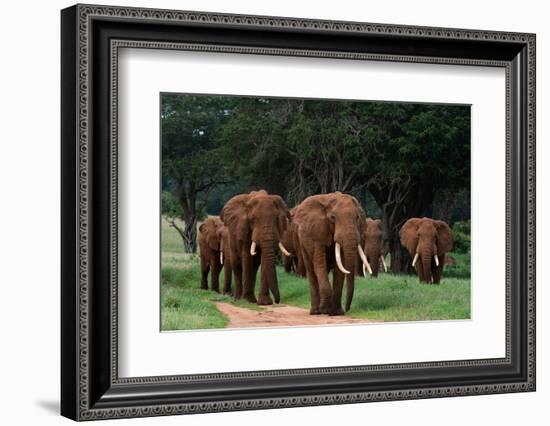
[205, 268]
[249, 278]
[313, 287]
[437, 271]
[227, 272]
[300, 267]
[215, 268]
[238, 271]
[287, 263]
[338, 285]
[321, 273]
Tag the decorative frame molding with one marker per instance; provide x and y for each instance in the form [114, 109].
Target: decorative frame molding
[91, 388]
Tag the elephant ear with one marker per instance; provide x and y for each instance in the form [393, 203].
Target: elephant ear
[202, 228]
[235, 216]
[378, 222]
[408, 235]
[444, 237]
[283, 218]
[311, 217]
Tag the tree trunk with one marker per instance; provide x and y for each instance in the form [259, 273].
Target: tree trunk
[188, 203]
[190, 235]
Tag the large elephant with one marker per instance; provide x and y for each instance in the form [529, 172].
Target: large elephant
[209, 245]
[256, 223]
[330, 230]
[291, 242]
[225, 258]
[427, 240]
[374, 246]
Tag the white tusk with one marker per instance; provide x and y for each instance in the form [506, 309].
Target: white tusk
[253, 248]
[415, 259]
[364, 270]
[436, 260]
[364, 258]
[384, 263]
[221, 257]
[284, 250]
[339, 259]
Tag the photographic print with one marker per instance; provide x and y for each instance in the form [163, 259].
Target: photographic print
[280, 212]
[257, 182]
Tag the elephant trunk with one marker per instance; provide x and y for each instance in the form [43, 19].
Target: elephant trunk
[268, 272]
[374, 260]
[350, 256]
[426, 257]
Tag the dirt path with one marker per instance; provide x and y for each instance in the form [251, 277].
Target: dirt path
[278, 316]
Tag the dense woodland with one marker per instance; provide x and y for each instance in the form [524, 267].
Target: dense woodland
[400, 160]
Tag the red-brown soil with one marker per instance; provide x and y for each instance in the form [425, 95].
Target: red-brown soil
[279, 316]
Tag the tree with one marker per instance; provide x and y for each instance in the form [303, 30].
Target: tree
[296, 147]
[191, 159]
[418, 150]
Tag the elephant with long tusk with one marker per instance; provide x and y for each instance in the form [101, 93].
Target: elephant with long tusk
[256, 222]
[427, 240]
[330, 229]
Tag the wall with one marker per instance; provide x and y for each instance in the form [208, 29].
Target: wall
[29, 224]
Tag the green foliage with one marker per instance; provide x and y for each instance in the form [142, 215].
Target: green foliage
[461, 236]
[461, 267]
[297, 147]
[190, 150]
[170, 206]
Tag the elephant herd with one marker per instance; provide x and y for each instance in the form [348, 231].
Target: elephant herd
[324, 233]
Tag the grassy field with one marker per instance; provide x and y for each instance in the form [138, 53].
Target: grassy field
[389, 297]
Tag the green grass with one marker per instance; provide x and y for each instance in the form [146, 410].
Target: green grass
[389, 297]
[171, 240]
[392, 297]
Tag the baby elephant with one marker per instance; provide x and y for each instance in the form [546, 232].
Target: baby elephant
[427, 241]
[209, 244]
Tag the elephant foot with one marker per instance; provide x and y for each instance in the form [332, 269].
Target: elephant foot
[216, 289]
[314, 311]
[204, 286]
[264, 299]
[325, 309]
[337, 311]
[250, 298]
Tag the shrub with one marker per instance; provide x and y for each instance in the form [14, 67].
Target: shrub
[461, 236]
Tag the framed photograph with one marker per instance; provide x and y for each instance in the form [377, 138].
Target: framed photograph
[264, 212]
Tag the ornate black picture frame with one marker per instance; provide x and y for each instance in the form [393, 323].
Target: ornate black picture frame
[91, 388]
